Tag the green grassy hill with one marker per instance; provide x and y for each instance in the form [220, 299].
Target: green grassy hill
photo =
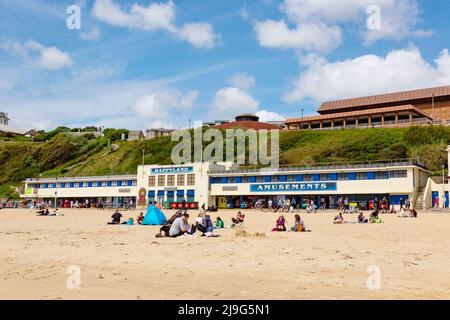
[65, 155]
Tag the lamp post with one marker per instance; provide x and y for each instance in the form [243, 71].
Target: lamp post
[444, 198]
[302, 112]
[56, 192]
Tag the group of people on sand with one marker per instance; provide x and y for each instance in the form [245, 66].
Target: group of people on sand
[45, 211]
[299, 225]
[374, 216]
[179, 226]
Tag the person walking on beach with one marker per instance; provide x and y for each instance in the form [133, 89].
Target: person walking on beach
[411, 203]
[401, 204]
[346, 205]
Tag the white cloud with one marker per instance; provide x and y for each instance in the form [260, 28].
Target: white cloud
[188, 101]
[14, 48]
[399, 18]
[92, 35]
[228, 102]
[242, 81]
[311, 37]
[368, 75]
[156, 16]
[317, 25]
[265, 116]
[243, 12]
[158, 105]
[50, 58]
[200, 35]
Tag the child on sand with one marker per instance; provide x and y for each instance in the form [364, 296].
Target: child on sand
[219, 224]
[362, 218]
[339, 219]
[140, 218]
[239, 219]
[299, 225]
[280, 224]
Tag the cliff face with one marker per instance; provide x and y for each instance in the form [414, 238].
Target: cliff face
[65, 155]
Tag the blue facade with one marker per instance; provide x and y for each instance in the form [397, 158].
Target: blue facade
[88, 184]
[350, 176]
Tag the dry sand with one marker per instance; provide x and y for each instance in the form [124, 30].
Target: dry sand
[128, 262]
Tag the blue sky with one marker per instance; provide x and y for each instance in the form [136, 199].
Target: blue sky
[142, 64]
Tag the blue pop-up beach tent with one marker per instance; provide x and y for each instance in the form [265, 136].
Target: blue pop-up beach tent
[154, 217]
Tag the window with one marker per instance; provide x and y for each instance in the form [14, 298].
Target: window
[191, 179]
[180, 180]
[114, 184]
[381, 175]
[308, 177]
[260, 179]
[325, 177]
[399, 174]
[245, 179]
[290, 178]
[361, 175]
[342, 176]
[171, 180]
[104, 184]
[161, 181]
[152, 181]
[275, 179]
[231, 179]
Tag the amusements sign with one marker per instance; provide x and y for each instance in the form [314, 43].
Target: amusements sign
[173, 170]
[295, 187]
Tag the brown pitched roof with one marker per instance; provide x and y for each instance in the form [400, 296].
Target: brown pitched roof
[406, 97]
[247, 125]
[360, 113]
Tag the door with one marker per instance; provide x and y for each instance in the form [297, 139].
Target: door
[435, 199]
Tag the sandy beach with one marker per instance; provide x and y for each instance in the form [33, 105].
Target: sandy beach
[128, 262]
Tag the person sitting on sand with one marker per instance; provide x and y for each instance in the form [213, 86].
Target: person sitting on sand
[140, 218]
[280, 224]
[374, 218]
[43, 212]
[206, 226]
[116, 218]
[362, 218]
[239, 219]
[181, 227]
[299, 225]
[393, 210]
[339, 219]
[219, 224]
[413, 212]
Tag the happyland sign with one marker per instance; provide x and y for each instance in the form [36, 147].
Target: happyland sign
[172, 170]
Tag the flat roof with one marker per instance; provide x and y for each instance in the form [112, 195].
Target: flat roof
[382, 164]
[368, 112]
[83, 179]
[404, 97]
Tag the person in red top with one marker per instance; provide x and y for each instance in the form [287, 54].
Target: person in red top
[140, 218]
[239, 219]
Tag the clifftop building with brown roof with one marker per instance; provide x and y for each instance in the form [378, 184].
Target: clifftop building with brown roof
[401, 109]
[248, 121]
